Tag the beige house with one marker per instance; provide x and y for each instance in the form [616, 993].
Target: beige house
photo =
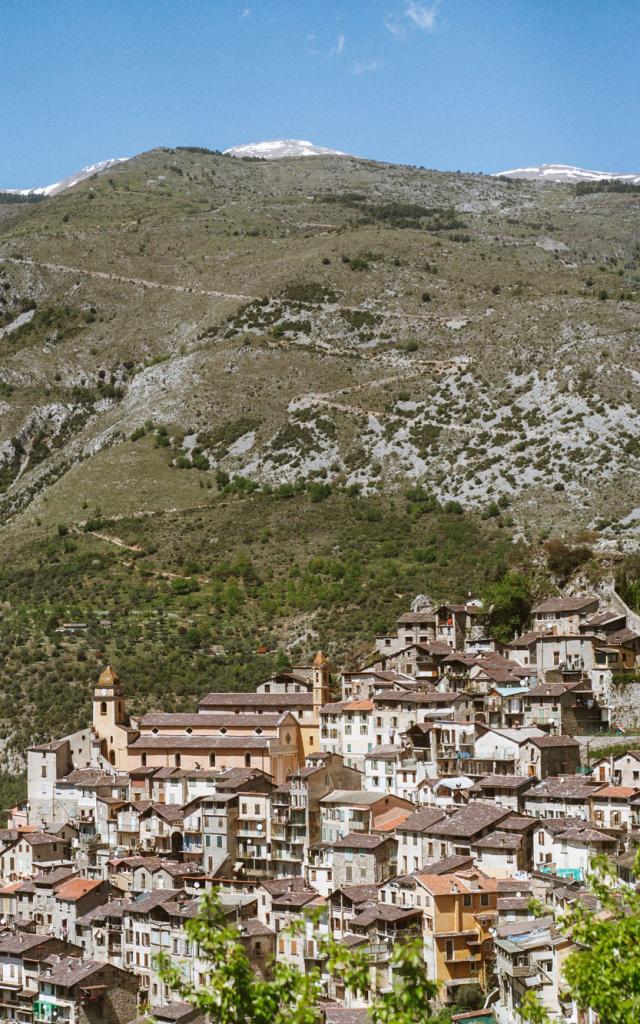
[273, 745]
[301, 693]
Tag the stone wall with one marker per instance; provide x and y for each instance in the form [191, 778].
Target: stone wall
[623, 700]
[594, 743]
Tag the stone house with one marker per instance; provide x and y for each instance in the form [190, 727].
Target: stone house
[412, 628]
[612, 806]
[499, 854]
[84, 992]
[564, 616]
[455, 833]
[416, 849]
[541, 756]
[346, 728]
[561, 796]
[364, 859]
[529, 957]
[31, 852]
[569, 851]
[619, 769]
[345, 811]
[20, 956]
[504, 790]
[557, 707]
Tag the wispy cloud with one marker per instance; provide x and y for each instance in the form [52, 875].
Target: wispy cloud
[395, 27]
[365, 67]
[339, 47]
[246, 13]
[422, 16]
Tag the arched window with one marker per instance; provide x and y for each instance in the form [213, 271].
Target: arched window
[247, 760]
[103, 707]
[177, 760]
[143, 760]
[212, 760]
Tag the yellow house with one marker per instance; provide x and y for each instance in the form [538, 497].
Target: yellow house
[459, 909]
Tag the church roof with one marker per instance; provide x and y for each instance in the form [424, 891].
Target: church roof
[108, 677]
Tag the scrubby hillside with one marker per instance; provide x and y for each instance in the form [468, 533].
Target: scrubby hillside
[332, 334]
[328, 318]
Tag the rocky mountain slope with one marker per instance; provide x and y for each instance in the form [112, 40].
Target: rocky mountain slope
[566, 174]
[332, 320]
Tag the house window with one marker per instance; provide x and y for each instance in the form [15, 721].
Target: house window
[177, 760]
[247, 760]
[212, 760]
[103, 707]
[467, 899]
[143, 760]
[484, 899]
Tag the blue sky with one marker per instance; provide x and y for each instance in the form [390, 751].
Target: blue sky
[456, 84]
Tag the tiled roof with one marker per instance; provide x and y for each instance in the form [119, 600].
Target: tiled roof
[565, 604]
[420, 820]
[76, 888]
[617, 792]
[498, 841]
[469, 820]
[286, 701]
[172, 742]
[67, 971]
[360, 840]
[554, 741]
[409, 618]
[210, 720]
[504, 781]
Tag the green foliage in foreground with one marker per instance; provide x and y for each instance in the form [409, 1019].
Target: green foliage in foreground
[603, 973]
[234, 994]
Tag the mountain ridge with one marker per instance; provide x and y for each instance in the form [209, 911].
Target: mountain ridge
[340, 321]
[69, 181]
[277, 149]
[566, 173]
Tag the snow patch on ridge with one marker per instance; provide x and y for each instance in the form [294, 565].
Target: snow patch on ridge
[277, 149]
[567, 173]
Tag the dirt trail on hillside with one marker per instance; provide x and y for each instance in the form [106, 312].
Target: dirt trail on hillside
[103, 275]
[139, 282]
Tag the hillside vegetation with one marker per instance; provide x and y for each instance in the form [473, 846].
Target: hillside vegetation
[251, 404]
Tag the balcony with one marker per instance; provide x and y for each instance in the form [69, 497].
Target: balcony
[252, 829]
[47, 1012]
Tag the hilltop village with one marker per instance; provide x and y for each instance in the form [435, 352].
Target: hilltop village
[434, 791]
